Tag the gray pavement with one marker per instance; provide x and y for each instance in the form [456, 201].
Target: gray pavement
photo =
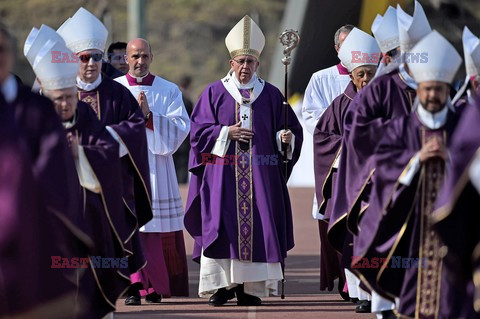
[303, 297]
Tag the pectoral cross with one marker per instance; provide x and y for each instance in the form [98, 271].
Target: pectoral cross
[244, 117]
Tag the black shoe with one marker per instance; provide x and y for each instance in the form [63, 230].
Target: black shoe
[354, 300]
[364, 306]
[133, 301]
[153, 298]
[221, 297]
[244, 299]
[389, 314]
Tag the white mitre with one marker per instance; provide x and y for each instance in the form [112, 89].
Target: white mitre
[442, 60]
[385, 30]
[245, 38]
[412, 29]
[358, 49]
[471, 52]
[40, 49]
[84, 31]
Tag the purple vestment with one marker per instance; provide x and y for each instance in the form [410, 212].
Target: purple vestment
[327, 140]
[457, 219]
[385, 98]
[211, 212]
[116, 107]
[40, 212]
[103, 212]
[403, 225]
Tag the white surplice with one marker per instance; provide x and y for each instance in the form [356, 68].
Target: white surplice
[171, 126]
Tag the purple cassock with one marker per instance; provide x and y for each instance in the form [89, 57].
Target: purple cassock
[216, 206]
[404, 231]
[102, 211]
[327, 141]
[457, 218]
[383, 99]
[116, 107]
[40, 213]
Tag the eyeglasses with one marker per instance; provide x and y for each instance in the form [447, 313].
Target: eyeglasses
[85, 58]
[243, 61]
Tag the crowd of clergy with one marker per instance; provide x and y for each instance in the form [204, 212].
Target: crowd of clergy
[90, 204]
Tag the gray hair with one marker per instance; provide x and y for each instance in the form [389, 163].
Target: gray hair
[343, 29]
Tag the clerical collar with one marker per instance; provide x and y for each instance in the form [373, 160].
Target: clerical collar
[147, 79]
[89, 86]
[432, 120]
[406, 77]
[10, 89]
[239, 85]
[71, 122]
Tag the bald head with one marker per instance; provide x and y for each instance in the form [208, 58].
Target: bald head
[139, 57]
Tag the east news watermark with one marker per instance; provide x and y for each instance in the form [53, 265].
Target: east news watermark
[376, 57]
[394, 262]
[84, 262]
[234, 159]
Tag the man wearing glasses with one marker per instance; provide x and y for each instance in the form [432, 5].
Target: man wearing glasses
[238, 208]
[118, 110]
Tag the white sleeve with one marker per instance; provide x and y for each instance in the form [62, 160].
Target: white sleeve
[290, 147]
[85, 172]
[410, 171]
[169, 129]
[314, 103]
[221, 145]
[122, 150]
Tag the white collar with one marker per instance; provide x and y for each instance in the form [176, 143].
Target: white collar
[140, 78]
[256, 83]
[89, 86]
[73, 120]
[10, 89]
[406, 77]
[239, 85]
[432, 120]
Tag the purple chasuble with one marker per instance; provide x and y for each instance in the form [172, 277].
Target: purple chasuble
[103, 212]
[457, 218]
[116, 107]
[215, 210]
[403, 228]
[327, 140]
[383, 99]
[40, 214]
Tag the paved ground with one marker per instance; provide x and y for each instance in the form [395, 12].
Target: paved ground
[303, 298]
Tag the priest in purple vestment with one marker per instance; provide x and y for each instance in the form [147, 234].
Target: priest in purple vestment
[40, 200]
[324, 86]
[238, 206]
[328, 136]
[410, 165]
[458, 210]
[117, 109]
[386, 97]
[97, 166]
